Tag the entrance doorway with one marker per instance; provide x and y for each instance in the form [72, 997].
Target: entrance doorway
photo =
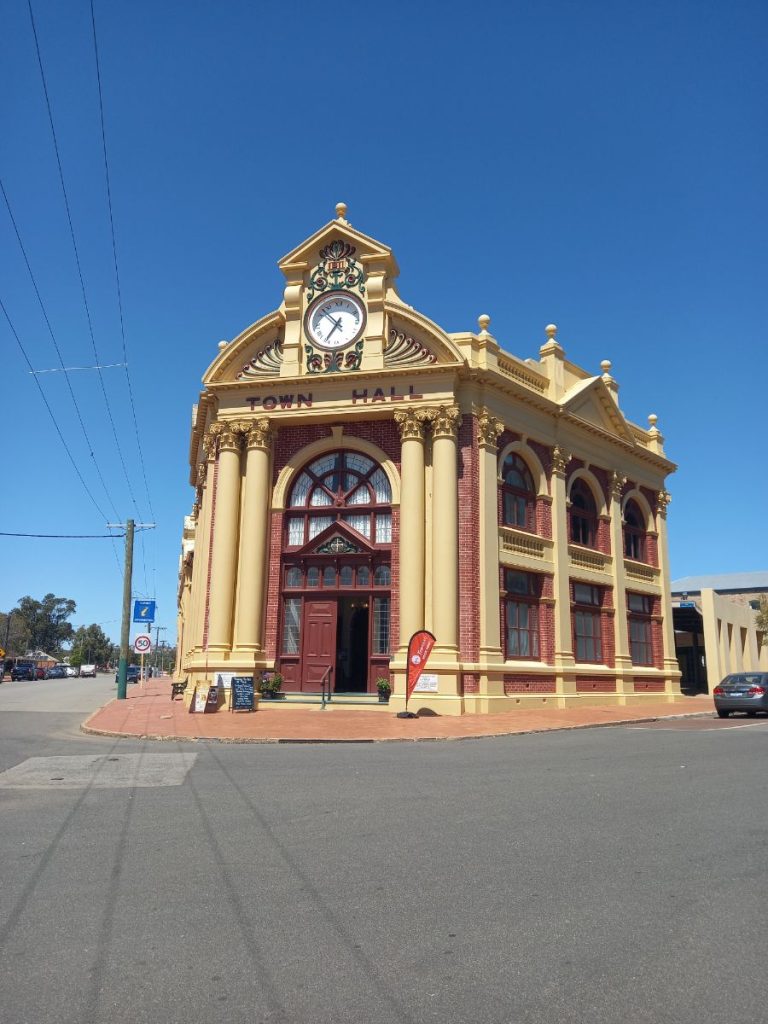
[352, 645]
[336, 633]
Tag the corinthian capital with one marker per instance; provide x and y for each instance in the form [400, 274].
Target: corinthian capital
[616, 484]
[488, 430]
[230, 436]
[211, 439]
[410, 425]
[258, 434]
[663, 499]
[445, 421]
[560, 459]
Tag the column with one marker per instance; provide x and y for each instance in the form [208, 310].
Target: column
[205, 476]
[488, 430]
[411, 537]
[445, 524]
[224, 539]
[623, 657]
[562, 560]
[252, 557]
[671, 668]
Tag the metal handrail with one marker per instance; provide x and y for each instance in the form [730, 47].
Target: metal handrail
[326, 677]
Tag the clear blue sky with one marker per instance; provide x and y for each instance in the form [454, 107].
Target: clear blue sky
[601, 165]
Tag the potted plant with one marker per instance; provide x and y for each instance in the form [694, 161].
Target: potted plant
[269, 685]
[382, 685]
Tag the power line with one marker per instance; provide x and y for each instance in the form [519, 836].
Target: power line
[77, 261]
[67, 536]
[56, 346]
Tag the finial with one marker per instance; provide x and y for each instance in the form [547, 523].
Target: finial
[483, 320]
[222, 345]
[341, 211]
[551, 330]
[605, 366]
[653, 419]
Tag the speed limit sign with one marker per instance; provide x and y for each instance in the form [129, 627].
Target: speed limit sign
[143, 643]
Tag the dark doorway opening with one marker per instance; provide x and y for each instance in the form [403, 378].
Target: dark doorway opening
[352, 645]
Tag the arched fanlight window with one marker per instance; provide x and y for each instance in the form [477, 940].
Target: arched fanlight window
[342, 486]
[517, 493]
[634, 532]
[583, 515]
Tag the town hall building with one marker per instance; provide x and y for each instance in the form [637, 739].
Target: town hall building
[361, 474]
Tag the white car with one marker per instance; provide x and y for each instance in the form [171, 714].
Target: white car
[70, 670]
[88, 670]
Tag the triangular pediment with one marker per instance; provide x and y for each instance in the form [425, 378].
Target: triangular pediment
[592, 402]
[365, 247]
[337, 539]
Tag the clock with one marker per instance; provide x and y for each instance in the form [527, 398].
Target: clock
[335, 320]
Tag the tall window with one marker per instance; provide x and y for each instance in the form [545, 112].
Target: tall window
[521, 614]
[634, 532]
[583, 515]
[639, 618]
[342, 486]
[518, 496]
[587, 640]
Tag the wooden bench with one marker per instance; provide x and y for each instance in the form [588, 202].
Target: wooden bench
[177, 689]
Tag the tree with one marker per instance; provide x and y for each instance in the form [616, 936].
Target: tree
[761, 618]
[90, 646]
[14, 634]
[46, 621]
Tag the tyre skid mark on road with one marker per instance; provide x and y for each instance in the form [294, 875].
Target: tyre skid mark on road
[369, 967]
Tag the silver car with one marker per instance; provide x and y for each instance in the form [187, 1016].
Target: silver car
[742, 691]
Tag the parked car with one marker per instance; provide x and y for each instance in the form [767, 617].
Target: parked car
[56, 672]
[24, 670]
[71, 671]
[88, 670]
[39, 672]
[132, 674]
[742, 691]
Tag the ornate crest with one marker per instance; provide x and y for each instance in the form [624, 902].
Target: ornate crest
[336, 270]
[338, 546]
[403, 350]
[333, 362]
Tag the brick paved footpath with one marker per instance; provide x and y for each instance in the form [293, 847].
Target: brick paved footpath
[148, 712]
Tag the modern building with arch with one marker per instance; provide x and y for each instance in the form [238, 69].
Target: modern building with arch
[361, 474]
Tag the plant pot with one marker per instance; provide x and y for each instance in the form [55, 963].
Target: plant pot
[383, 698]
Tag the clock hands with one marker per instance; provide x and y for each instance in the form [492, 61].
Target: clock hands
[336, 325]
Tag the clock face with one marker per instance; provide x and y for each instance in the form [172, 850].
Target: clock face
[336, 320]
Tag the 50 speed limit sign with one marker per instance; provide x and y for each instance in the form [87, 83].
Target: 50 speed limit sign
[143, 643]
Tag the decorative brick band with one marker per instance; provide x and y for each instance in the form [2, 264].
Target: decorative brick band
[649, 685]
[470, 682]
[529, 684]
[595, 684]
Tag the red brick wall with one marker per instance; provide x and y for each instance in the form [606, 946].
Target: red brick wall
[470, 682]
[528, 684]
[608, 628]
[544, 518]
[273, 585]
[657, 643]
[469, 541]
[547, 622]
[594, 684]
[649, 685]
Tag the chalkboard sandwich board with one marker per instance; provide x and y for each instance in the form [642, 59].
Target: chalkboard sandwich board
[204, 699]
[212, 700]
[242, 693]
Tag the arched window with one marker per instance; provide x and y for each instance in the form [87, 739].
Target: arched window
[341, 486]
[583, 515]
[517, 493]
[634, 532]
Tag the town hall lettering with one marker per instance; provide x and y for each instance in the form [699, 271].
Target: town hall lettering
[362, 395]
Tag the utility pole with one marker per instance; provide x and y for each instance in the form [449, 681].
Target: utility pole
[125, 632]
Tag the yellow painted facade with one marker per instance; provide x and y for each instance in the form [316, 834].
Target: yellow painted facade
[441, 423]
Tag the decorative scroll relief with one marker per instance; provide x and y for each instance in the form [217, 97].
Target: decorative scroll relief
[336, 270]
[403, 350]
[265, 363]
[334, 362]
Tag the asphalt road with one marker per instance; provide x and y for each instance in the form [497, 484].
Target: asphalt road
[605, 875]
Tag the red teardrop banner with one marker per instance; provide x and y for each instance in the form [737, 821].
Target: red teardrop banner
[419, 648]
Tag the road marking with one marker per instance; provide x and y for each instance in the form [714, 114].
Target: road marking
[680, 728]
[99, 771]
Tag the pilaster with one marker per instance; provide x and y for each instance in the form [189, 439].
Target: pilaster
[445, 520]
[412, 539]
[252, 554]
[488, 431]
[622, 657]
[224, 539]
[564, 660]
[671, 667]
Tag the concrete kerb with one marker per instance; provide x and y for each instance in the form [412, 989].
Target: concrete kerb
[84, 727]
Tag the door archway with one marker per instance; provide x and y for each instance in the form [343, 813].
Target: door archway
[336, 575]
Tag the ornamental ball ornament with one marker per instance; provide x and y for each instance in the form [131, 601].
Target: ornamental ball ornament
[222, 345]
[551, 330]
[653, 419]
[605, 366]
[483, 320]
[341, 210]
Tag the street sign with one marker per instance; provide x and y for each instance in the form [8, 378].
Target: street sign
[142, 644]
[687, 604]
[144, 611]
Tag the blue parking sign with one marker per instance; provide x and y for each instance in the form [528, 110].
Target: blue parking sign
[144, 611]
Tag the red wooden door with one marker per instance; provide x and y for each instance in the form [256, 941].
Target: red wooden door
[318, 649]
